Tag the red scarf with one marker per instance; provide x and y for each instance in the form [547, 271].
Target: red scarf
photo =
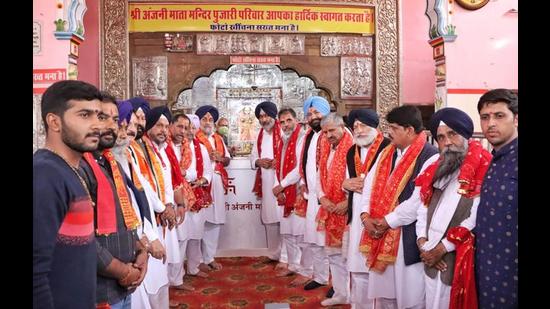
[220, 148]
[473, 169]
[361, 170]
[276, 144]
[156, 162]
[386, 189]
[202, 195]
[182, 188]
[106, 205]
[463, 287]
[332, 178]
[289, 163]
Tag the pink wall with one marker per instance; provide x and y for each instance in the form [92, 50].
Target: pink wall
[417, 76]
[485, 53]
[88, 61]
[55, 52]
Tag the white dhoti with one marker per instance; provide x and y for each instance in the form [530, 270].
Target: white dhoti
[402, 284]
[274, 242]
[194, 256]
[210, 241]
[444, 296]
[340, 276]
[294, 252]
[176, 271]
[315, 261]
[359, 287]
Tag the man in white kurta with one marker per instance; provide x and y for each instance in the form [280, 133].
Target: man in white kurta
[368, 142]
[332, 216]
[448, 204]
[314, 260]
[155, 285]
[263, 157]
[157, 131]
[292, 225]
[220, 158]
[192, 230]
[399, 285]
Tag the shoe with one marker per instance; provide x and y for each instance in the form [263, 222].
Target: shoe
[330, 292]
[312, 285]
[334, 301]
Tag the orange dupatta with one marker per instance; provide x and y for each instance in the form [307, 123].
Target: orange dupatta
[332, 178]
[386, 189]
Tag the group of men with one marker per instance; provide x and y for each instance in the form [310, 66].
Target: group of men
[124, 194]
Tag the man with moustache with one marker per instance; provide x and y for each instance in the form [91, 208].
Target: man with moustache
[335, 143]
[64, 245]
[314, 259]
[389, 213]
[449, 190]
[155, 139]
[496, 231]
[369, 142]
[220, 158]
[292, 222]
[264, 158]
[156, 275]
[191, 231]
[122, 258]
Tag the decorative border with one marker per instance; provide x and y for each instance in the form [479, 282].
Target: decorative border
[115, 74]
[115, 58]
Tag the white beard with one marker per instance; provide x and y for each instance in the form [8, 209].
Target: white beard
[119, 153]
[366, 140]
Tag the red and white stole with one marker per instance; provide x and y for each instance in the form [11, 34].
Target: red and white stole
[202, 195]
[219, 148]
[289, 163]
[277, 145]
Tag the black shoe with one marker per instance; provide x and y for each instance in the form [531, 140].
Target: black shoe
[330, 292]
[312, 285]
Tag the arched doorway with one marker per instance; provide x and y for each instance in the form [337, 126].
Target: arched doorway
[237, 90]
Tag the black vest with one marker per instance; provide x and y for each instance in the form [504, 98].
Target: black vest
[410, 249]
[350, 158]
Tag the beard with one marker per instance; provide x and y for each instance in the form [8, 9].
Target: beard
[268, 125]
[453, 157]
[364, 141]
[70, 138]
[315, 124]
[140, 131]
[106, 144]
[207, 130]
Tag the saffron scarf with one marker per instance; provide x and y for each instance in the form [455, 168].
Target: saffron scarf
[277, 145]
[219, 148]
[106, 205]
[471, 174]
[386, 189]
[182, 188]
[332, 178]
[361, 169]
[202, 195]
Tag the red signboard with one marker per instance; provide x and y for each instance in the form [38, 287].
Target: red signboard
[48, 76]
[255, 59]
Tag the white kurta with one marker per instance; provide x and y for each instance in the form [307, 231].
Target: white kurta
[193, 225]
[271, 212]
[356, 261]
[157, 273]
[441, 218]
[398, 281]
[293, 224]
[311, 235]
[216, 213]
[170, 236]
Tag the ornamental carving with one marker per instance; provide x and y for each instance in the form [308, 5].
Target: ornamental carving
[250, 44]
[150, 76]
[346, 46]
[114, 71]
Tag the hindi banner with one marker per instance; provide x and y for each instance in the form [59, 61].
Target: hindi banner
[151, 17]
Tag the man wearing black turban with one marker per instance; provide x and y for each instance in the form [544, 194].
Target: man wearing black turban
[369, 142]
[264, 157]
